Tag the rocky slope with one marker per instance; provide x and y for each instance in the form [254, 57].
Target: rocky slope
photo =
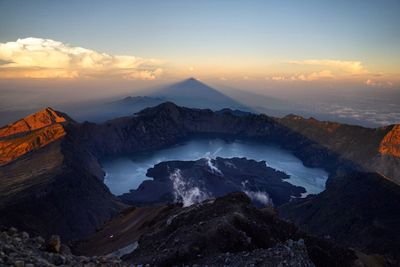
[229, 231]
[190, 182]
[360, 210]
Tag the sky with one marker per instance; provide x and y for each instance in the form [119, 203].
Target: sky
[276, 41]
[340, 58]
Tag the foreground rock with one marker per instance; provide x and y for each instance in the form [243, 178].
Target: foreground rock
[191, 182]
[19, 249]
[288, 254]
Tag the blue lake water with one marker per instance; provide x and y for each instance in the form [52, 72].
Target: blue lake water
[127, 172]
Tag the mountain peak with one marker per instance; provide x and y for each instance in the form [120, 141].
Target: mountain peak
[390, 144]
[31, 133]
[40, 119]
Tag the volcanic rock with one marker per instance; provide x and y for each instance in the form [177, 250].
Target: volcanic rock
[194, 181]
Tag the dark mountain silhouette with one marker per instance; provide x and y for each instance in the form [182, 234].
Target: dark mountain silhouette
[193, 93]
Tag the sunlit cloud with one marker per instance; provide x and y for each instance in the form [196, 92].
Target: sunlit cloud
[325, 74]
[346, 66]
[278, 78]
[313, 76]
[45, 58]
[375, 83]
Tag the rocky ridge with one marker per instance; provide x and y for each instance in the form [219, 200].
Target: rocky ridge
[222, 231]
[227, 231]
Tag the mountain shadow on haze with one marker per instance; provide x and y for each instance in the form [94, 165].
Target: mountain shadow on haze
[98, 112]
[190, 93]
[193, 93]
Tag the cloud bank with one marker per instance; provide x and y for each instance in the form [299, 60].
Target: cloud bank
[322, 69]
[46, 58]
[374, 83]
[346, 66]
[313, 76]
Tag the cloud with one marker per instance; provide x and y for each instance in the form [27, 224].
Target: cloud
[325, 74]
[278, 78]
[349, 67]
[46, 58]
[374, 83]
[259, 196]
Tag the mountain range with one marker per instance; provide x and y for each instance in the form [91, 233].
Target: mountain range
[52, 180]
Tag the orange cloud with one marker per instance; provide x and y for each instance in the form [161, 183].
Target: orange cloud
[346, 66]
[325, 74]
[374, 83]
[45, 58]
